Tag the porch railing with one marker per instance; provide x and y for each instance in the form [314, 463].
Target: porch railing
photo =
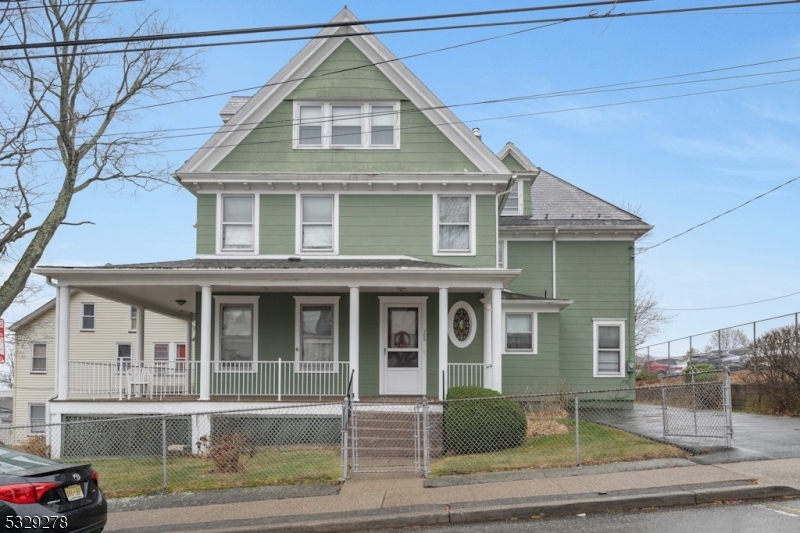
[280, 378]
[466, 374]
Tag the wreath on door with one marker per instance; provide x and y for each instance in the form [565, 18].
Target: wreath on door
[402, 339]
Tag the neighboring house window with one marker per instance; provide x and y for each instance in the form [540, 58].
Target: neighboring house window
[238, 216]
[317, 226]
[39, 358]
[36, 417]
[87, 317]
[346, 125]
[513, 205]
[133, 322]
[237, 333]
[161, 354]
[316, 325]
[501, 254]
[455, 231]
[520, 332]
[609, 348]
[123, 356]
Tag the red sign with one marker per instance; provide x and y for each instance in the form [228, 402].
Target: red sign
[2, 341]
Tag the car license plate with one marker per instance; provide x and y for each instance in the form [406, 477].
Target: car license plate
[74, 492]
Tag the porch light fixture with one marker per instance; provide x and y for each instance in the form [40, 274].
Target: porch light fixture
[180, 302]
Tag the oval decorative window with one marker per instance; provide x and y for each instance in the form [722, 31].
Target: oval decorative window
[462, 324]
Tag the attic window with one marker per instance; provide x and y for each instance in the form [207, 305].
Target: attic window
[326, 125]
[513, 204]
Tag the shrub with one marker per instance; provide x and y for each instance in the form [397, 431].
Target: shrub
[775, 367]
[478, 420]
[703, 372]
[224, 449]
[35, 445]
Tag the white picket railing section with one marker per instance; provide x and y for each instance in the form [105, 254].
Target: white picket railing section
[466, 374]
[280, 378]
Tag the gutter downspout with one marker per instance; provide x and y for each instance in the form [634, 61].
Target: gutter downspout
[49, 281]
[555, 236]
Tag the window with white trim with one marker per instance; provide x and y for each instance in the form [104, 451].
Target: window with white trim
[39, 358]
[316, 327]
[317, 223]
[133, 321]
[609, 348]
[87, 317]
[455, 231]
[513, 205]
[520, 332]
[236, 333]
[501, 254]
[36, 417]
[346, 125]
[161, 354]
[123, 356]
[237, 223]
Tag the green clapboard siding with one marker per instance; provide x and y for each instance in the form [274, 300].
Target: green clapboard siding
[206, 223]
[511, 163]
[423, 148]
[277, 223]
[540, 372]
[535, 258]
[526, 197]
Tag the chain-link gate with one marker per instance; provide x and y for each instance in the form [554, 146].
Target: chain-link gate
[700, 407]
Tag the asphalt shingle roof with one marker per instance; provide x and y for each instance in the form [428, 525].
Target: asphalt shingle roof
[278, 264]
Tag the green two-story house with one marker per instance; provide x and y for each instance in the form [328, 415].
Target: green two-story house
[349, 225]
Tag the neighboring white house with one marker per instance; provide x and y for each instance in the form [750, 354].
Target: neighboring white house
[100, 332]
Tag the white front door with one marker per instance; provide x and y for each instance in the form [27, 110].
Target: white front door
[403, 355]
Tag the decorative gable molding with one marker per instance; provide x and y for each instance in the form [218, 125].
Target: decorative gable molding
[310, 57]
[511, 149]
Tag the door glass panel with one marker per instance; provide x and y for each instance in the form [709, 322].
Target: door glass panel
[403, 341]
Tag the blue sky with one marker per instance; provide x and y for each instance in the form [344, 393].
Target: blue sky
[678, 160]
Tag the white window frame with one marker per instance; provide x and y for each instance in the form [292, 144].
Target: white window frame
[502, 253]
[472, 226]
[171, 364]
[596, 323]
[133, 320]
[34, 357]
[534, 332]
[93, 315]
[219, 301]
[43, 423]
[298, 229]
[473, 324]
[302, 367]
[119, 361]
[327, 125]
[220, 225]
[515, 189]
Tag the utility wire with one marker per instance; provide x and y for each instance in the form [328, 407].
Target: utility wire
[751, 200]
[734, 305]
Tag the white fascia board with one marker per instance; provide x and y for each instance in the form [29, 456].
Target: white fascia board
[537, 306]
[575, 233]
[522, 159]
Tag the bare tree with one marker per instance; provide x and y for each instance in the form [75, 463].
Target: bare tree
[727, 339]
[775, 366]
[648, 317]
[66, 121]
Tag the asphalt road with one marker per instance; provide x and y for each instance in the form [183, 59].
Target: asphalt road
[772, 516]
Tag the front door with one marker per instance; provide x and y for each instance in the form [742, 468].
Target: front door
[403, 336]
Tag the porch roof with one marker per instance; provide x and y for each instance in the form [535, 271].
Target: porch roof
[172, 287]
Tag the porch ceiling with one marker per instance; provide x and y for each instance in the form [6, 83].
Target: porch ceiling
[172, 287]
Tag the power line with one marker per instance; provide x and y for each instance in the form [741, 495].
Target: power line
[784, 184]
[734, 305]
[320, 25]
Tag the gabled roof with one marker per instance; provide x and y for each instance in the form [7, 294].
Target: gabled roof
[30, 317]
[510, 149]
[258, 108]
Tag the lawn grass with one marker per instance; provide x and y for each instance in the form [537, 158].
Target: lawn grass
[598, 444]
[123, 477]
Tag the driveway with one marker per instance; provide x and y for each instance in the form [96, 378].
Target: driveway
[757, 437]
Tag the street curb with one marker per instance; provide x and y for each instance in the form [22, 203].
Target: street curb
[752, 492]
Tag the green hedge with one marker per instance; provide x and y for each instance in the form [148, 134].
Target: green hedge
[482, 421]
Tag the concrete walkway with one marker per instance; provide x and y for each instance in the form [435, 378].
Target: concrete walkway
[395, 500]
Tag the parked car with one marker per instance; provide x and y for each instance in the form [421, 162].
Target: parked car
[677, 367]
[42, 495]
[665, 367]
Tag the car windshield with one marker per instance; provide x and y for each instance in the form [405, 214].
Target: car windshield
[14, 461]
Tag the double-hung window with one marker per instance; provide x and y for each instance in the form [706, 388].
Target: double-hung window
[36, 417]
[455, 232]
[39, 358]
[161, 354]
[520, 332]
[329, 125]
[123, 356]
[87, 317]
[316, 324]
[238, 223]
[609, 348]
[237, 333]
[317, 223]
[133, 321]
[513, 205]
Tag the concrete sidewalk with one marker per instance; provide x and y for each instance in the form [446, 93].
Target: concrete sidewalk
[395, 500]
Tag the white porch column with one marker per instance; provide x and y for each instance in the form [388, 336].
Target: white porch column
[140, 335]
[354, 338]
[497, 340]
[205, 343]
[487, 341]
[62, 343]
[187, 375]
[443, 338]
